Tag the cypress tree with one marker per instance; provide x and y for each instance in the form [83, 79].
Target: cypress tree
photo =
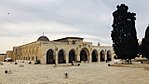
[125, 42]
[145, 44]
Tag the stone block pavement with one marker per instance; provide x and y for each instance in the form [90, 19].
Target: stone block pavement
[86, 73]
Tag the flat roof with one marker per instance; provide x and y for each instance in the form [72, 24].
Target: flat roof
[2, 54]
[69, 38]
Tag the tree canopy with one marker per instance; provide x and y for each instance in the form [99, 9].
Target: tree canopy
[145, 44]
[125, 42]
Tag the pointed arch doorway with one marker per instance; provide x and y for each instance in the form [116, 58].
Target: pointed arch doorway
[72, 56]
[102, 56]
[50, 57]
[94, 56]
[84, 55]
[109, 57]
[61, 56]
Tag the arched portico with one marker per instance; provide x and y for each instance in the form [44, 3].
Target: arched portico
[72, 56]
[61, 56]
[102, 56]
[50, 57]
[94, 56]
[109, 55]
[84, 55]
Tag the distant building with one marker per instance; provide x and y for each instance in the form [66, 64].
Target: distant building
[2, 57]
[64, 50]
[9, 56]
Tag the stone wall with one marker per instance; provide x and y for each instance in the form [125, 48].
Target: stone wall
[55, 52]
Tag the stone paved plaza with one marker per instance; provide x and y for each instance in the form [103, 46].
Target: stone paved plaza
[86, 73]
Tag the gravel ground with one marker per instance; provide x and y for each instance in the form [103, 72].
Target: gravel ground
[86, 73]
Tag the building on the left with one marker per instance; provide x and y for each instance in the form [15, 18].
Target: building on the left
[2, 57]
[9, 56]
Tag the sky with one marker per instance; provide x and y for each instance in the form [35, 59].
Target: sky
[23, 21]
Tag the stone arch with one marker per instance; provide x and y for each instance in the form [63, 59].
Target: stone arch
[72, 55]
[109, 55]
[61, 56]
[84, 55]
[94, 55]
[102, 55]
[50, 57]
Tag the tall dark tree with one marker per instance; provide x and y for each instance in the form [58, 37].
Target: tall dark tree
[145, 44]
[125, 42]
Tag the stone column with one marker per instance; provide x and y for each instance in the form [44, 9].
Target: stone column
[105, 56]
[112, 56]
[56, 58]
[67, 59]
[90, 58]
[78, 57]
[98, 57]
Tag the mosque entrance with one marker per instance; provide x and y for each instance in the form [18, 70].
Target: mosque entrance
[71, 56]
[50, 57]
[84, 55]
[102, 56]
[94, 56]
[61, 57]
[109, 55]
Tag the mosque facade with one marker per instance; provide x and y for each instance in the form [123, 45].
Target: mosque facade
[60, 51]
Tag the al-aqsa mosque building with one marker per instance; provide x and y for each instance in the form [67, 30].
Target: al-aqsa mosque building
[64, 50]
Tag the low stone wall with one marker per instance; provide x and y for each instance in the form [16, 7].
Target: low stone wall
[145, 62]
[136, 65]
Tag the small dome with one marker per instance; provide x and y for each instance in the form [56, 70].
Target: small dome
[43, 38]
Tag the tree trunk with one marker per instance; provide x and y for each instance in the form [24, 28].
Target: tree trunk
[130, 61]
